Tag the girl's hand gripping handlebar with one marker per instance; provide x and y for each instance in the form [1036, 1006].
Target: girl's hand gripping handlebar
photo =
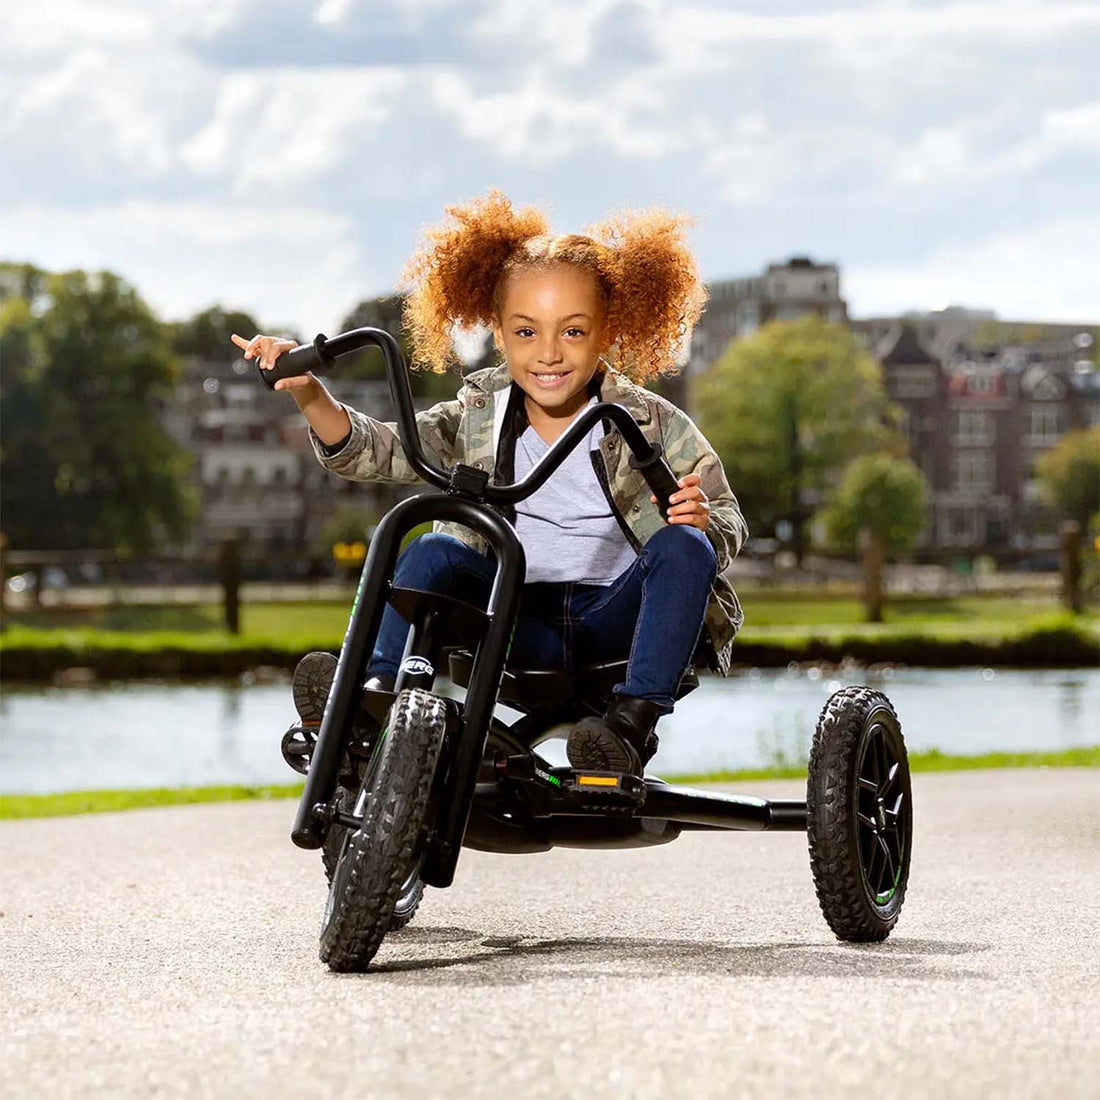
[282, 361]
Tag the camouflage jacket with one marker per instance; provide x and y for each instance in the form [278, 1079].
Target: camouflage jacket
[468, 429]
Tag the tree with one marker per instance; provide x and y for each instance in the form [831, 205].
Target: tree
[385, 313]
[346, 528]
[878, 506]
[1070, 475]
[206, 335]
[786, 409]
[84, 461]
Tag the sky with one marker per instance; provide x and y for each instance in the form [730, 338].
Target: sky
[284, 156]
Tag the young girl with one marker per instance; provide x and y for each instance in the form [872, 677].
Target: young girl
[577, 319]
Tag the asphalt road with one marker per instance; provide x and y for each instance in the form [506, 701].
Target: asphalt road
[173, 952]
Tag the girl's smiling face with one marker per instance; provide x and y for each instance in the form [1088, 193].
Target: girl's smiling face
[551, 329]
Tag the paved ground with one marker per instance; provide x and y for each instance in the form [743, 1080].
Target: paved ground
[173, 953]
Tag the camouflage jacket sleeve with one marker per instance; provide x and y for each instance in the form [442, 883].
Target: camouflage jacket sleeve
[374, 452]
[689, 452]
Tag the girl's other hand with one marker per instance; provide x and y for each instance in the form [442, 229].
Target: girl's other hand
[689, 503]
[267, 349]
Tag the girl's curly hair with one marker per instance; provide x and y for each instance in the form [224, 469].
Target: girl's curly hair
[645, 274]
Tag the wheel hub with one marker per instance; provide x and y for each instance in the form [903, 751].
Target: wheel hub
[879, 809]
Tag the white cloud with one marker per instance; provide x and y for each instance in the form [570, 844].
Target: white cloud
[100, 114]
[696, 36]
[861, 128]
[940, 155]
[541, 123]
[948, 155]
[30, 27]
[1043, 273]
[274, 129]
[289, 265]
[1059, 131]
[756, 164]
[547, 33]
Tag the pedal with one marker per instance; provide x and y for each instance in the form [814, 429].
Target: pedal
[597, 788]
[297, 746]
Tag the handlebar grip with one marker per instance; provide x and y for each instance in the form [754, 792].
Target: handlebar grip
[299, 360]
[659, 475]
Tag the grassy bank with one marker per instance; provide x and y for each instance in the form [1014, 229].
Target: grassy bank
[32, 653]
[82, 802]
[765, 610]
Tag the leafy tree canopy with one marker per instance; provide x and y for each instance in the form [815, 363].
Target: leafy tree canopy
[84, 365]
[385, 313]
[1070, 475]
[206, 335]
[787, 408]
[882, 494]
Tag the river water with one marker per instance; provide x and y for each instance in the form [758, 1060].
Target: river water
[152, 734]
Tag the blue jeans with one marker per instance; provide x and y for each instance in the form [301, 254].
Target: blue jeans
[652, 613]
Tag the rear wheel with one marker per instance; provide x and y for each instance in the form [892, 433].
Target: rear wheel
[377, 866]
[859, 814]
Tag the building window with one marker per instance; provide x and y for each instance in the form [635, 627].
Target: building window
[974, 471]
[958, 527]
[973, 427]
[910, 382]
[1046, 424]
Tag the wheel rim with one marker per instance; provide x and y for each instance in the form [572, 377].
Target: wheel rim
[360, 810]
[882, 813]
[408, 887]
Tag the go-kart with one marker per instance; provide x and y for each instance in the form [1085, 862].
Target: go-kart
[443, 773]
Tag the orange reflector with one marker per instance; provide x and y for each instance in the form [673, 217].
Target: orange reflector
[598, 780]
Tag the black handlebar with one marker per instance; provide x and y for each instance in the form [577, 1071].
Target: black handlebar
[646, 457]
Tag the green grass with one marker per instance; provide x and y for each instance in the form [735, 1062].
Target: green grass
[301, 626]
[87, 802]
[281, 622]
[189, 642]
[932, 761]
[82, 802]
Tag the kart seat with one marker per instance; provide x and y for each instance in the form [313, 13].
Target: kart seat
[530, 689]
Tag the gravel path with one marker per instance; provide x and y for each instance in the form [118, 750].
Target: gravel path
[173, 952]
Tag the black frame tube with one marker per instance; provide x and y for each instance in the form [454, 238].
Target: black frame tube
[366, 617]
[715, 810]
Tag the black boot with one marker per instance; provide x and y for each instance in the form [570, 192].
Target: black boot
[311, 684]
[621, 741]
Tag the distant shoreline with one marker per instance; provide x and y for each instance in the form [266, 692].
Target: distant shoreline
[67, 803]
[32, 655]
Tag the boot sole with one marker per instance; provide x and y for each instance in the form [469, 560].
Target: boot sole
[600, 750]
[311, 685]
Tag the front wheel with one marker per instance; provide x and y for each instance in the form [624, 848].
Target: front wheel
[412, 891]
[859, 814]
[377, 866]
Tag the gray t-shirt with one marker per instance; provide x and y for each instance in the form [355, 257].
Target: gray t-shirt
[567, 528]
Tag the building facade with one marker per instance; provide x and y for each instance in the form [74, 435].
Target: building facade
[254, 469]
[785, 291]
[977, 424]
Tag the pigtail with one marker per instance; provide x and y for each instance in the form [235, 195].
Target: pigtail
[657, 295]
[454, 273]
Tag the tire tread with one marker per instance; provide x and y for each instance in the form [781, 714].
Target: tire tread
[382, 850]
